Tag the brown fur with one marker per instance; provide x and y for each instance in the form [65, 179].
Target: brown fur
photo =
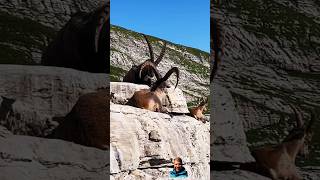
[88, 121]
[197, 112]
[143, 73]
[152, 98]
[279, 161]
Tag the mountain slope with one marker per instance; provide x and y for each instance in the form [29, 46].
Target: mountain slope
[129, 48]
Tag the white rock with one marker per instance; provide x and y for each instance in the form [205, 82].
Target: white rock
[180, 136]
[41, 93]
[123, 91]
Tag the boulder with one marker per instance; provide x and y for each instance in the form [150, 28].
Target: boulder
[134, 155]
[175, 102]
[35, 94]
[26, 157]
[228, 140]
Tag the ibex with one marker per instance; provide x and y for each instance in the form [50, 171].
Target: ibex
[278, 162]
[143, 73]
[152, 98]
[197, 112]
[88, 123]
[83, 43]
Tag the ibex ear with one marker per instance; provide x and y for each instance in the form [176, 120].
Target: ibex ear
[103, 18]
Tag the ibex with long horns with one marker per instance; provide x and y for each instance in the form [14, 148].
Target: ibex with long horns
[278, 162]
[152, 98]
[83, 43]
[146, 71]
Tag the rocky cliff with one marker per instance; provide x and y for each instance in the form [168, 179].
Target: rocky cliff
[271, 59]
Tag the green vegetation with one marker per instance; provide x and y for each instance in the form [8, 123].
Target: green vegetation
[116, 73]
[20, 35]
[191, 66]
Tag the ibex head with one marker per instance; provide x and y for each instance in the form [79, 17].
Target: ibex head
[301, 131]
[147, 70]
[161, 82]
[203, 103]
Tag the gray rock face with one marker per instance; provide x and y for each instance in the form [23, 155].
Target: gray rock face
[26, 157]
[41, 93]
[52, 13]
[236, 175]
[265, 71]
[270, 60]
[134, 155]
[228, 140]
[175, 101]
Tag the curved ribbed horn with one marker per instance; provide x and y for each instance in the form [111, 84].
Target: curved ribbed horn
[168, 74]
[298, 116]
[102, 14]
[150, 48]
[163, 50]
[152, 66]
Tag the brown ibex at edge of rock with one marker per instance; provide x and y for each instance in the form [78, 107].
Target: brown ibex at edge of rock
[152, 98]
[143, 73]
[197, 112]
[88, 123]
[278, 162]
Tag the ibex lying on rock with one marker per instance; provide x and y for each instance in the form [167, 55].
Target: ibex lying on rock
[88, 122]
[143, 73]
[83, 43]
[197, 112]
[278, 162]
[152, 98]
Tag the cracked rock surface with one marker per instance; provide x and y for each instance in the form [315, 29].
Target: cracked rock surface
[133, 155]
[26, 157]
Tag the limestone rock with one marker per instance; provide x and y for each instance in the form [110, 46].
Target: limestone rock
[228, 140]
[26, 157]
[40, 93]
[122, 91]
[132, 150]
[236, 175]
[53, 13]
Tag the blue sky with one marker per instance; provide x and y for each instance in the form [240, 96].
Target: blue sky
[185, 22]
